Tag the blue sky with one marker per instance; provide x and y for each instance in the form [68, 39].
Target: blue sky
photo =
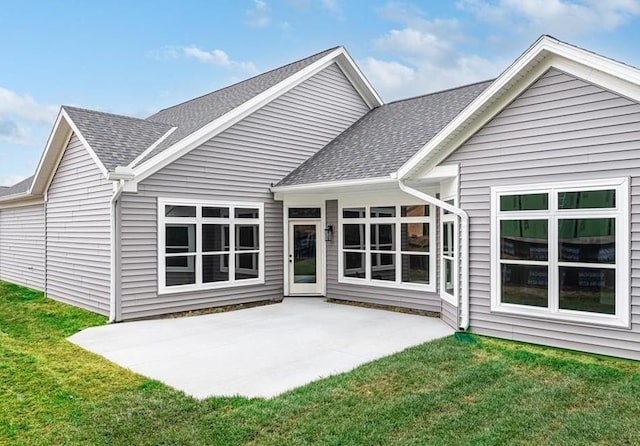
[134, 58]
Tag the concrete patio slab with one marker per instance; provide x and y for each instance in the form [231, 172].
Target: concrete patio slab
[261, 351]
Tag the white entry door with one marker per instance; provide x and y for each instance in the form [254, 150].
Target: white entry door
[305, 257]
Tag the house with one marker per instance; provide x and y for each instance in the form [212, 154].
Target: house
[509, 207]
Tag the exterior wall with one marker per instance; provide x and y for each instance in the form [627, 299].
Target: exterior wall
[78, 232]
[22, 245]
[449, 314]
[240, 164]
[420, 300]
[560, 129]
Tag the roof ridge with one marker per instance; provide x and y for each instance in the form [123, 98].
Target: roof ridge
[440, 91]
[133, 118]
[245, 80]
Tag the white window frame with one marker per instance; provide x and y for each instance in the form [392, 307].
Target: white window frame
[621, 318]
[397, 221]
[198, 221]
[449, 218]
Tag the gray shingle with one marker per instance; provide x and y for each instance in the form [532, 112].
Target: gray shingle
[385, 138]
[116, 140]
[20, 187]
[196, 113]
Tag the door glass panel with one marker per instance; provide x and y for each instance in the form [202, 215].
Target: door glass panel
[304, 254]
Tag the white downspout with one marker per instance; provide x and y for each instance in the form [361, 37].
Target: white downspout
[120, 176]
[464, 254]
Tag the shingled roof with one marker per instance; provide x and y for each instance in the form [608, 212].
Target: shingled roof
[117, 140]
[385, 138]
[18, 188]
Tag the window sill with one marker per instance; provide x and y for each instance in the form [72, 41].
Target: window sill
[566, 316]
[209, 286]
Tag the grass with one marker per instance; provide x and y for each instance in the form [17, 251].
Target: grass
[447, 392]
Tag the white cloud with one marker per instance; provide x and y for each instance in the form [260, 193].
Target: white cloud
[562, 17]
[215, 57]
[387, 75]
[333, 7]
[25, 107]
[259, 15]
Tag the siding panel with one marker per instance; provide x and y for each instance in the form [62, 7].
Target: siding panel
[551, 134]
[78, 232]
[240, 164]
[22, 245]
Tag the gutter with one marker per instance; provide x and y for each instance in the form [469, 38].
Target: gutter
[120, 176]
[464, 254]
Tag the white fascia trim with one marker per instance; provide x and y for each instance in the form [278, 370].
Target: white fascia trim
[225, 121]
[148, 150]
[545, 46]
[85, 144]
[359, 80]
[333, 184]
[46, 150]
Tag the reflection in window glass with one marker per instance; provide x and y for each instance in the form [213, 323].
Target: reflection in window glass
[588, 289]
[525, 202]
[415, 237]
[353, 236]
[448, 276]
[416, 210]
[247, 266]
[180, 238]
[591, 199]
[247, 213]
[452, 203]
[354, 265]
[353, 213]
[383, 267]
[180, 270]
[215, 212]
[415, 269]
[247, 237]
[383, 211]
[215, 268]
[447, 239]
[524, 285]
[179, 211]
[383, 237]
[215, 238]
[587, 240]
[524, 239]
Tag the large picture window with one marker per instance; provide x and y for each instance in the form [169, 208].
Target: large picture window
[204, 245]
[562, 251]
[387, 245]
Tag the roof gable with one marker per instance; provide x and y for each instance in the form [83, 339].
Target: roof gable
[547, 52]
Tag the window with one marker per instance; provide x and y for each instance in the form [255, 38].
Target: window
[387, 245]
[209, 245]
[448, 255]
[562, 251]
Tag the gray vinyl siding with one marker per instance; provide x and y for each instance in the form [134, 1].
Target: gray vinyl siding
[22, 245]
[449, 314]
[420, 300]
[560, 129]
[238, 165]
[78, 232]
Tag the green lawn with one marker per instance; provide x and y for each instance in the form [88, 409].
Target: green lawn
[446, 392]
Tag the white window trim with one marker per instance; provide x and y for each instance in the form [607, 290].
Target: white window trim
[198, 220]
[622, 265]
[448, 218]
[367, 221]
